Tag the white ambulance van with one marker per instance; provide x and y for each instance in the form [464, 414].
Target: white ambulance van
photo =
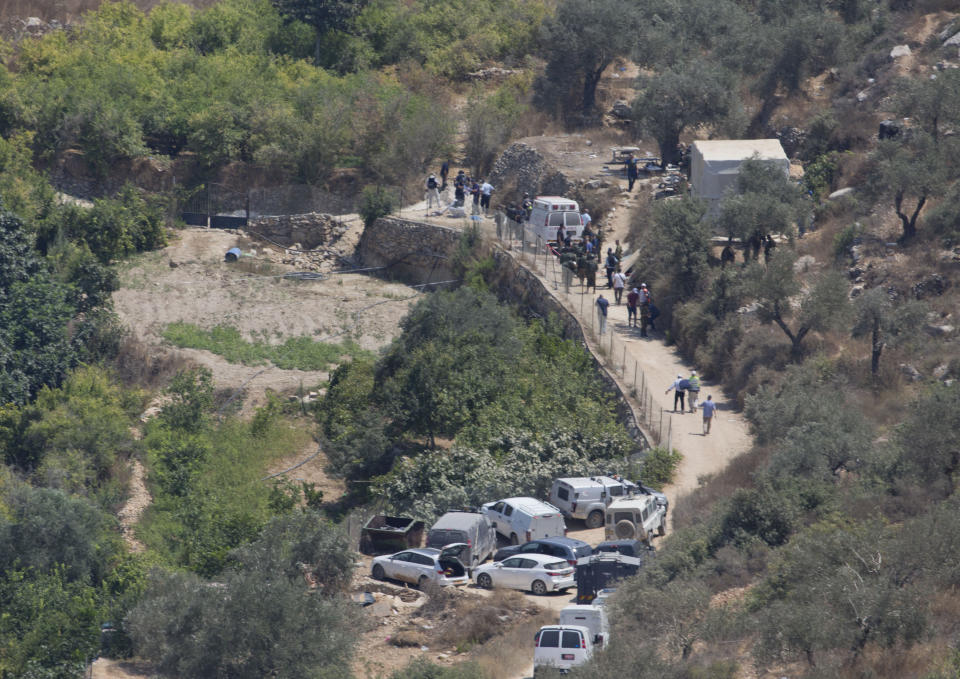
[552, 212]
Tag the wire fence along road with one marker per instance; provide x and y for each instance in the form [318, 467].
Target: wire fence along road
[611, 347]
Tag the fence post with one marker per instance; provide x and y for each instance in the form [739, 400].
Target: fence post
[623, 361]
[634, 374]
[660, 428]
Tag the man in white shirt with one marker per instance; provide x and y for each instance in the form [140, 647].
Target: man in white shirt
[486, 189]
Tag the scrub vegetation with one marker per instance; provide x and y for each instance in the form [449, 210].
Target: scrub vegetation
[829, 549]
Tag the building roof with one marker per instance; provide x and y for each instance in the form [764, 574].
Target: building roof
[738, 149]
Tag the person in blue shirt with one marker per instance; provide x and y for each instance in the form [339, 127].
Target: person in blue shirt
[708, 407]
[602, 305]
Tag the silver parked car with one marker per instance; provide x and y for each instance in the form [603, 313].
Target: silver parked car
[423, 566]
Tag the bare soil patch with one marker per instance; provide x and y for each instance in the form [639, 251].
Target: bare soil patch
[189, 281]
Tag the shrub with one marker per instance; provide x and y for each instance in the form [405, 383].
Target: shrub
[659, 466]
[375, 202]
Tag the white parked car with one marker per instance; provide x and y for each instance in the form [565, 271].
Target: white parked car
[538, 573]
[561, 647]
[522, 519]
[423, 566]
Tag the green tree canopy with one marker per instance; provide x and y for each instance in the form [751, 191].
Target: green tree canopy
[580, 41]
[680, 96]
[781, 297]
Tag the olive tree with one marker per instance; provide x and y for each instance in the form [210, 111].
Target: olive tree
[783, 300]
[887, 322]
[683, 96]
[582, 40]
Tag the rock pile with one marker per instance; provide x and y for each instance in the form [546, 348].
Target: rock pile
[525, 168]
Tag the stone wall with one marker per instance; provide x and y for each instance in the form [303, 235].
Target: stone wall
[417, 253]
[413, 252]
[309, 231]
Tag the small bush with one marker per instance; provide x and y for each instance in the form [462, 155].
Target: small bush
[659, 466]
[375, 202]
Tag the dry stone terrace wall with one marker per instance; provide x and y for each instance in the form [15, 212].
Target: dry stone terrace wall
[416, 252]
[308, 230]
[413, 252]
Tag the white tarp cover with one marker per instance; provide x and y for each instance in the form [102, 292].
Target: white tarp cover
[714, 165]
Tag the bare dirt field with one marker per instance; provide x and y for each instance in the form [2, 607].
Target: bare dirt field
[189, 281]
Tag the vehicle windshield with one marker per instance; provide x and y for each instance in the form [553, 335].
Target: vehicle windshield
[550, 638]
[556, 219]
[573, 219]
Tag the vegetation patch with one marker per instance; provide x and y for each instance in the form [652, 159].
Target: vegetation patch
[296, 353]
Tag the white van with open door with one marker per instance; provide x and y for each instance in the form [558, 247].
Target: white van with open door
[552, 212]
[594, 618]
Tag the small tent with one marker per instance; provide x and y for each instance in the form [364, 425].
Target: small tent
[714, 165]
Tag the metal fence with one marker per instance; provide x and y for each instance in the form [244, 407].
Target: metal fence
[609, 347]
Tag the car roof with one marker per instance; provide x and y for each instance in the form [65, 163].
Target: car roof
[426, 551]
[539, 558]
[617, 542]
[578, 628]
[530, 504]
[457, 520]
[563, 540]
[590, 481]
[632, 501]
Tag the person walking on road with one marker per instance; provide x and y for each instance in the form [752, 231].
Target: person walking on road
[678, 388]
[602, 305]
[619, 283]
[693, 391]
[708, 407]
[611, 265]
[646, 301]
[633, 297]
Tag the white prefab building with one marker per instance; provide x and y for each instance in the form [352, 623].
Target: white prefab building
[714, 165]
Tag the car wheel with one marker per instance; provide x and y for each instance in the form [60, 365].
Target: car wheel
[595, 519]
[378, 573]
[484, 581]
[423, 582]
[538, 588]
[514, 540]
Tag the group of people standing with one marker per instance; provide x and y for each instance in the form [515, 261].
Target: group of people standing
[479, 190]
[691, 386]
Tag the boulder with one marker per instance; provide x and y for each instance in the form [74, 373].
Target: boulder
[840, 193]
[933, 285]
[910, 372]
[939, 330]
[900, 51]
[954, 40]
[621, 109]
[804, 263]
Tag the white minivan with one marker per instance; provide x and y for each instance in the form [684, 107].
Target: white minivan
[591, 616]
[522, 519]
[552, 212]
[561, 647]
